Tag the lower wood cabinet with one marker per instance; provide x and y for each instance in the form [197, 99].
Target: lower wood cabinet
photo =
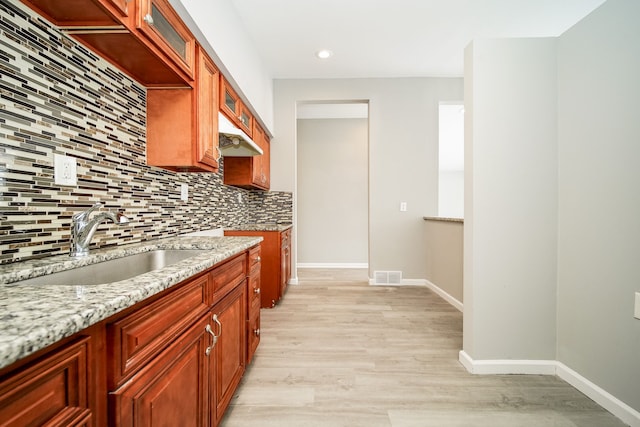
[275, 266]
[60, 387]
[191, 382]
[171, 390]
[173, 360]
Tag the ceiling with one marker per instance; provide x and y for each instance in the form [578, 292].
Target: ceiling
[392, 38]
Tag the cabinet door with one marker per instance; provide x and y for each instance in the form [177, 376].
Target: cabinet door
[207, 111]
[172, 389]
[232, 107]
[53, 391]
[161, 24]
[257, 169]
[230, 320]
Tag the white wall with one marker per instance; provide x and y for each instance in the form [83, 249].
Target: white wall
[403, 160]
[599, 198]
[510, 199]
[333, 206]
[221, 32]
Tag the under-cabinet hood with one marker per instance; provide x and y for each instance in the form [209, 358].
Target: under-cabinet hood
[233, 141]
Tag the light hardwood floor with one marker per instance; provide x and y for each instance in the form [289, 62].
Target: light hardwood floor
[338, 352]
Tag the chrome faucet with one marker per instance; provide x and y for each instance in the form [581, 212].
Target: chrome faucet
[83, 228]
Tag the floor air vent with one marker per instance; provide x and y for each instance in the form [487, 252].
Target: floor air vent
[387, 277]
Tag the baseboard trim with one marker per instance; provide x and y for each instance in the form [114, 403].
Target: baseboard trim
[494, 367]
[446, 296]
[332, 265]
[603, 398]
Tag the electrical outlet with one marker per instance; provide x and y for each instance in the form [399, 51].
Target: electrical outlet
[403, 206]
[636, 312]
[184, 192]
[65, 170]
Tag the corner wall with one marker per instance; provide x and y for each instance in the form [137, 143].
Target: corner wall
[599, 198]
[510, 199]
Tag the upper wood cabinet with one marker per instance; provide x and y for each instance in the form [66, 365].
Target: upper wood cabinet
[84, 13]
[156, 52]
[157, 20]
[250, 172]
[232, 107]
[182, 124]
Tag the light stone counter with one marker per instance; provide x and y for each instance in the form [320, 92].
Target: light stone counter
[35, 316]
[260, 227]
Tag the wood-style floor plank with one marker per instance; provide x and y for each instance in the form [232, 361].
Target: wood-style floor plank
[338, 352]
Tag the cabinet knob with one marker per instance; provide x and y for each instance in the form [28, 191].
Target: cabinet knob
[258, 259]
[148, 19]
[256, 291]
[256, 332]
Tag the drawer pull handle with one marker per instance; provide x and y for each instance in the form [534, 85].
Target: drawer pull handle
[256, 332]
[215, 319]
[256, 291]
[215, 340]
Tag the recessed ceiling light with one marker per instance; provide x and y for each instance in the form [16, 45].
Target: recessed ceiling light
[324, 54]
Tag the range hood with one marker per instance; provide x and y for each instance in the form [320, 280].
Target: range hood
[233, 141]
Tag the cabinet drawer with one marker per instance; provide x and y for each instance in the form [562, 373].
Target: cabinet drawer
[135, 339]
[227, 276]
[53, 391]
[254, 289]
[254, 257]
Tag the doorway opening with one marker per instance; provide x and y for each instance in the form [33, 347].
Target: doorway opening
[332, 184]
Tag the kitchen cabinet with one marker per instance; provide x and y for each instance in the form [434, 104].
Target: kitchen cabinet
[182, 124]
[232, 107]
[190, 382]
[164, 368]
[172, 389]
[252, 173]
[275, 264]
[61, 387]
[157, 20]
[144, 38]
[175, 358]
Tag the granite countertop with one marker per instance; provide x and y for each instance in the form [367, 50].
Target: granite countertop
[260, 227]
[35, 316]
[442, 218]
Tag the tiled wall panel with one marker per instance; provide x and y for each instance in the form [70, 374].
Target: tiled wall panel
[57, 97]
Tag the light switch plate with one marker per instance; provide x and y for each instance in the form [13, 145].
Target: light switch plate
[184, 192]
[403, 206]
[637, 306]
[65, 170]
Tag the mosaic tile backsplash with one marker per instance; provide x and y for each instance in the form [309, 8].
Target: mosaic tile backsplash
[58, 97]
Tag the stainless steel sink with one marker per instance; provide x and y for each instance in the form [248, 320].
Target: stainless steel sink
[115, 270]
